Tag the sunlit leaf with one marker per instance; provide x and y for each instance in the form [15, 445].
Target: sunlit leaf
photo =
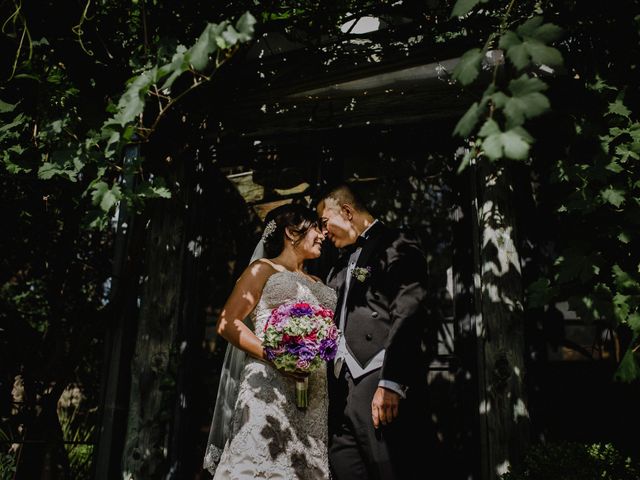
[624, 281]
[542, 54]
[489, 127]
[526, 102]
[467, 123]
[613, 196]
[198, 55]
[529, 27]
[547, 33]
[468, 68]
[246, 27]
[463, 7]
[516, 144]
[618, 108]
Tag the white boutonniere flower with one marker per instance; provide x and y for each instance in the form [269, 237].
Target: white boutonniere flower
[361, 273]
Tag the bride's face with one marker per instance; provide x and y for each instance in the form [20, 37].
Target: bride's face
[311, 244]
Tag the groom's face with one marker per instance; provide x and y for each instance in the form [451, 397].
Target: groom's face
[336, 224]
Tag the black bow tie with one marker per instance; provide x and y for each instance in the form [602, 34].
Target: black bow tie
[359, 243]
[361, 240]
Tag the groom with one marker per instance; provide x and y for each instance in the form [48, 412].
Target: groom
[377, 381]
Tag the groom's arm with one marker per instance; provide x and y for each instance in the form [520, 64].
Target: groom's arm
[407, 292]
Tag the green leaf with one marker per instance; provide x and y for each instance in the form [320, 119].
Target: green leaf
[542, 54]
[624, 281]
[613, 196]
[467, 123]
[20, 119]
[621, 306]
[492, 146]
[519, 56]
[490, 127]
[105, 197]
[534, 28]
[467, 70]
[516, 144]
[198, 55]
[539, 293]
[624, 237]
[499, 99]
[634, 322]
[463, 7]
[466, 159]
[547, 33]
[7, 107]
[231, 37]
[618, 108]
[629, 368]
[529, 44]
[151, 190]
[626, 151]
[513, 143]
[509, 39]
[527, 101]
[525, 84]
[177, 67]
[246, 27]
[613, 166]
[529, 27]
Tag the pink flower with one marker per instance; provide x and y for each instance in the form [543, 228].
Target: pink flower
[302, 364]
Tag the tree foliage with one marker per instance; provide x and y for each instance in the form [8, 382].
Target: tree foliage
[558, 50]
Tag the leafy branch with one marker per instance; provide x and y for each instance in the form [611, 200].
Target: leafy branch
[69, 159]
[494, 124]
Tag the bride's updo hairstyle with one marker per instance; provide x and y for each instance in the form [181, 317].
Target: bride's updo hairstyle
[297, 218]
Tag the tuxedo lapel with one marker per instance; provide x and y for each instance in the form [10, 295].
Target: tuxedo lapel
[373, 240]
[340, 282]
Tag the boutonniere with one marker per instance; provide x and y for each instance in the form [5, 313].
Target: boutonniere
[361, 273]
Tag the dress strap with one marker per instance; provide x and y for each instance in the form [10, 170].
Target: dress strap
[273, 264]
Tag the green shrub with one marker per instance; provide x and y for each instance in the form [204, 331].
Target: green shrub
[575, 461]
[7, 458]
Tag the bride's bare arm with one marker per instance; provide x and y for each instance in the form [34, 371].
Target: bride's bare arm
[241, 302]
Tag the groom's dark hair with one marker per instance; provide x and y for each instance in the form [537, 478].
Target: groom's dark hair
[343, 193]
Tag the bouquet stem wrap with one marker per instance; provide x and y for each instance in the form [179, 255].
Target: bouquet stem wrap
[302, 393]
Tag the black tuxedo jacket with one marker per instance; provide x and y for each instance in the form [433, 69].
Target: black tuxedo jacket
[388, 309]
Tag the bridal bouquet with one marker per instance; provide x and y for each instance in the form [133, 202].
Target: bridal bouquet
[299, 337]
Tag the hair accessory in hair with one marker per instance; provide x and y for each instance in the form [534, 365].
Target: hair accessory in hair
[269, 229]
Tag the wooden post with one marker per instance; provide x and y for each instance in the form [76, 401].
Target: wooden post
[155, 361]
[467, 455]
[504, 426]
[119, 342]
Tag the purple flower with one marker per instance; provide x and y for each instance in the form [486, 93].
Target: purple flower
[300, 310]
[328, 349]
[302, 351]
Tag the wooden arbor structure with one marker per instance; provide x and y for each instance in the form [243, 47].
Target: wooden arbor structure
[288, 116]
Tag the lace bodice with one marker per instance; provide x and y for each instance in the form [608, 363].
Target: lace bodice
[287, 286]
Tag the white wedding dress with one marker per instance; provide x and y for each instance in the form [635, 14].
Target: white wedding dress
[271, 438]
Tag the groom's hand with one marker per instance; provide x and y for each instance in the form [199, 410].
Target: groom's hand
[384, 406]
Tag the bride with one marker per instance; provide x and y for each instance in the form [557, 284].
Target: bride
[259, 433]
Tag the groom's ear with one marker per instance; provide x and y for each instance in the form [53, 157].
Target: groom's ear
[348, 210]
